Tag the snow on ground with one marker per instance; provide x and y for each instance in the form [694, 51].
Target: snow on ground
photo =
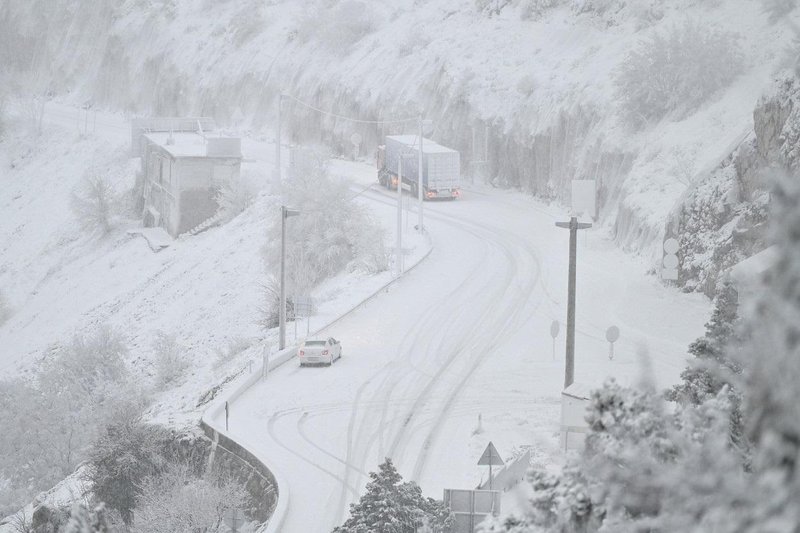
[465, 334]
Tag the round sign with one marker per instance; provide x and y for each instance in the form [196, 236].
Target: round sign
[671, 246]
[355, 139]
[554, 327]
[612, 334]
[671, 261]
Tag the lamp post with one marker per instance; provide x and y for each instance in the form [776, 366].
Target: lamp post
[285, 213]
[278, 143]
[420, 181]
[573, 226]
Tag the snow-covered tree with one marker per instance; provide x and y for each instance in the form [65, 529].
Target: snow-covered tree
[715, 365]
[390, 505]
[333, 232]
[50, 421]
[93, 203]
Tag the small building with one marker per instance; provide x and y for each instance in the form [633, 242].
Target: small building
[574, 401]
[184, 164]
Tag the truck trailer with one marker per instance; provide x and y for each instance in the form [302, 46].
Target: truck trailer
[441, 167]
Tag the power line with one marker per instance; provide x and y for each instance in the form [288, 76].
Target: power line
[344, 117]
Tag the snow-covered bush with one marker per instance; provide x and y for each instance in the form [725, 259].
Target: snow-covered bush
[177, 500]
[171, 360]
[234, 196]
[674, 71]
[332, 233]
[127, 453]
[533, 9]
[93, 203]
[338, 27]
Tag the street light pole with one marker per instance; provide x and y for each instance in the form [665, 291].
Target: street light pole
[573, 225]
[399, 241]
[419, 174]
[285, 213]
[278, 144]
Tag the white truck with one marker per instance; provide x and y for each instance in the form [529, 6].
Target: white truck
[441, 167]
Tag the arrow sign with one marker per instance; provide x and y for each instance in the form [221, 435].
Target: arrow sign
[490, 457]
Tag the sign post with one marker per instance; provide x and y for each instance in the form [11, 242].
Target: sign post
[491, 458]
[554, 327]
[612, 336]
[573, 225]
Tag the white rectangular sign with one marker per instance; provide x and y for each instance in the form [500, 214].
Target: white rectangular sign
[584, 197]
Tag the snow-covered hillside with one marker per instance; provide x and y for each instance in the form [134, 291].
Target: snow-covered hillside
[543, 79]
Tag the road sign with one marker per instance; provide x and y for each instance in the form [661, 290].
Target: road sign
[303, 306]
[554, 327]
[490, 457]
[584, 195]
[612, 336]
[669, 264]
[471, 507]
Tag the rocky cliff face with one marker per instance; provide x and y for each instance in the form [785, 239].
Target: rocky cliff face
[722, 220]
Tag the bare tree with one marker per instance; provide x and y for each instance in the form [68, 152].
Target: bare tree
[93, 203]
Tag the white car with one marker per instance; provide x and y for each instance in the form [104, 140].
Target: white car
[319, 352]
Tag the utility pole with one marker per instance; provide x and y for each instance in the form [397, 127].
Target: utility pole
[285, 213]
[278, 145]
[419, 179]
[399, 240]
[573, 225]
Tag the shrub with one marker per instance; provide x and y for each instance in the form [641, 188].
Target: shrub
[92, 203]
[125, 455]
[171, 361]
[675, 71]
[234, 196]
[176, 500]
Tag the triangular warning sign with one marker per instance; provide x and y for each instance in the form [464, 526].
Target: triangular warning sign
[490, 457]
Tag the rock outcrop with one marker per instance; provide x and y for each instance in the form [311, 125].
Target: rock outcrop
[723, 218]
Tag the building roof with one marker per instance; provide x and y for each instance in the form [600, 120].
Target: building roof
[579, 390]
[190, 144]
[428, 146]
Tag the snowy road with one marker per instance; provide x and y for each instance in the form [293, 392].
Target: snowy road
[465, 333]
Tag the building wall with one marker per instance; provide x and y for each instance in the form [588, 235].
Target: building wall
[180, 193]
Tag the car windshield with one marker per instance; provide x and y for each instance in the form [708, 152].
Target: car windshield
[315, 343]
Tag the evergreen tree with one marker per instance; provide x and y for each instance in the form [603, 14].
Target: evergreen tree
[712, 367]
[715, 365]
[390, 505]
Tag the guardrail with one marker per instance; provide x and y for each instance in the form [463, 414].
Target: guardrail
[240, 386]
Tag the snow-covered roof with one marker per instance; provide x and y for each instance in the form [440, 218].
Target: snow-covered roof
[187, 144]
[578, 390]
[428, 146]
